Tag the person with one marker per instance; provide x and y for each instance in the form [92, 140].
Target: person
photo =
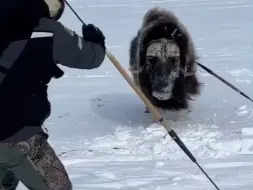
[27, 64]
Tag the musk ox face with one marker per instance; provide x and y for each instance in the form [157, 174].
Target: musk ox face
[162, 66]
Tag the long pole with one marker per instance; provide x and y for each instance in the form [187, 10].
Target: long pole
[224, 81]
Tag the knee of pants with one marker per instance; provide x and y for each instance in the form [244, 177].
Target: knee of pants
[8, 181]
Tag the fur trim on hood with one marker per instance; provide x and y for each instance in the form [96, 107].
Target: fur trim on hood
[56, 8]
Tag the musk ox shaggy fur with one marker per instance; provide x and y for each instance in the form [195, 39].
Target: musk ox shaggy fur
[162, 61]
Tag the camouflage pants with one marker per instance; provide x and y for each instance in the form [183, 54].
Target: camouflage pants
[34, 163]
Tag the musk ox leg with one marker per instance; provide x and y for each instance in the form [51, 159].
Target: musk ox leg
[147, 110]
[193, 87]
[132, 53]
[160, 110]
[173, 115]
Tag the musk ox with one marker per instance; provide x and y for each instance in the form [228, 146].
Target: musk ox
[162, 61]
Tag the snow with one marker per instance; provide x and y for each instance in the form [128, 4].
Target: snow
[98, 125]
[247, 131]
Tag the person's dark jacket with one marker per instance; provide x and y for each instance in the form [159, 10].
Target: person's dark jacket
[24, 76]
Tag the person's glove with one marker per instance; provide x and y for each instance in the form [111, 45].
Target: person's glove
[93, 34]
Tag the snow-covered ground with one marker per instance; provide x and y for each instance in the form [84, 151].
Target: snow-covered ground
[98, 125]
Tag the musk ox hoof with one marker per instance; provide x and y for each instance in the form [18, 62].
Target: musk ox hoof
[146, 110]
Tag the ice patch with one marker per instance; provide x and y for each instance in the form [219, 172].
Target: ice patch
[227, 165]
[159, 164]
[199, 177]
[234, 147]
[241, 72]
[247, 131]
[205, 74]
[113, 5]
[72, 162]
[105, 174]
[93, 76]
[115, 46]
[225, 55]
[244, 110]
[243, 107]
[244, 81]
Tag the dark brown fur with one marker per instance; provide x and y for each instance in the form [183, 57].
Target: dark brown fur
[153, 27]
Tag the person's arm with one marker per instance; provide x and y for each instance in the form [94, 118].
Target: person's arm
[69, 49]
